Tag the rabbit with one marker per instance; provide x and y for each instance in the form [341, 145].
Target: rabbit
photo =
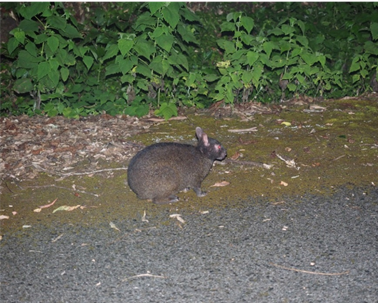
[161, 170]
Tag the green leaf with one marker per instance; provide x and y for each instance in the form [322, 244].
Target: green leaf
[124, 45]
[302, 26]
[165, 42]
[247, 23]
[159, 31]
[301, 79]
[40, 39]
[284, 46]
[112, 69]
[19, 34]
[127, 79]
[296, 52]
[167, 110]
[371, 47]
[256, 74]
[247, 39]
[188, 15]
[34, 9]
[276, 32]
[322, 60]
[70, 60]
[53, 43]
[144, 20]
[23, 85]
[157, 66]
[125, 65]
[61, 56]
[211, 77]
[142, 110]
[54, 64]
[310, 59]
[70, 32]
[111, 52]
[186, 34]
[144, 48]
[144, 70]
[246, 77]
[43, 70]
[57, 22]
[374, 30]
[29, 25]
[252, 57]
[355, 65]
[356, 78]
[31, 49]
[155, 6]
[26, 60]
[12, 45]
[302, 40]
[182, 60]
[171, 16]
[287, 29]
[54, 76]
[292, 87]
[64, 73]
[228, 46]
[88, 61]
[268, 47]
[227, 27]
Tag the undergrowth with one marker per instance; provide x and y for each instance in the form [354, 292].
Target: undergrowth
[129, 58]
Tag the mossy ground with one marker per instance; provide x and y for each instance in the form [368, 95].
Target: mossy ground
[333, 148]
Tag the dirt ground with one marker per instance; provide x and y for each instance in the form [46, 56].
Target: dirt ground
[300, 147]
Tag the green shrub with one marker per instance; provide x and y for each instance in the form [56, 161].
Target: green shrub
[130, 58]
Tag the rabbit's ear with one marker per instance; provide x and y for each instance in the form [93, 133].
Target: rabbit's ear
[199, 132]
[205, 140]
[202, 137]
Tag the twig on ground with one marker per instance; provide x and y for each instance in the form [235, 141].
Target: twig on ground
[61, 187]
[143, 275]
[92, 172]
[258, 164]
[312, 272]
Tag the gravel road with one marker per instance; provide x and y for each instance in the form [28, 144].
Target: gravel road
[305, 249]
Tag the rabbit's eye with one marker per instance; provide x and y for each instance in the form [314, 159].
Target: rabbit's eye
[218, 147]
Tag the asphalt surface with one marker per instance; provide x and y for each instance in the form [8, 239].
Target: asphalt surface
[308, 249]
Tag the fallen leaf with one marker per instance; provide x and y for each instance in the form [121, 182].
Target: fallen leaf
[66, 208]
[245, 142]
[235, 156]
[112, 225]
[2, 217]
[289, 162]
[178, 217]
[220, 184]
[144, 217]
[286, 123]
[284, 183]
[48, 205]
[245, 130]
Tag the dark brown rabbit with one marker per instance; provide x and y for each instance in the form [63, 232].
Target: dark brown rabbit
[161, 170]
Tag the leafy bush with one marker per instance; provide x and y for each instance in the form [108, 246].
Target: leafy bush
[290, 58]
[74, 72]
[129, 58]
